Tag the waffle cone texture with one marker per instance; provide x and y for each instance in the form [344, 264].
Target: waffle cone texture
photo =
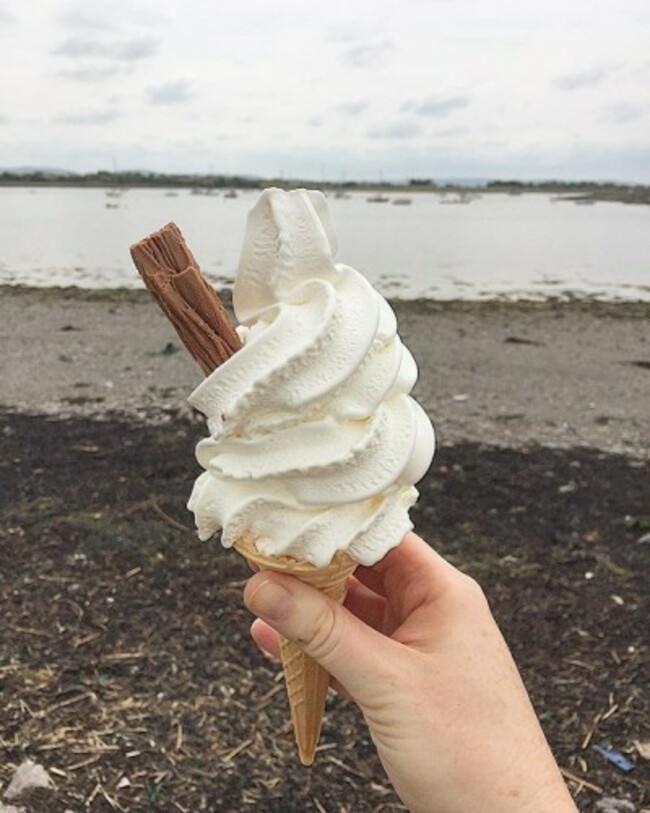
[306, 681]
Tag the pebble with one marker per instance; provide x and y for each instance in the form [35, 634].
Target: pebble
[28, 775]
[609, 804]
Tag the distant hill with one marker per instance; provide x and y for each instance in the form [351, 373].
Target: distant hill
[474, 182]
[435, 181]
[48, 172]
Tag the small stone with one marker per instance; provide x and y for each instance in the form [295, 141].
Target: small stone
[28, 775]
[609, 804]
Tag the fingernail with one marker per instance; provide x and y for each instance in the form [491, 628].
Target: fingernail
[270, 601]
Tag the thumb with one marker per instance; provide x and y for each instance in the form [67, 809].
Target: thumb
[360, 658]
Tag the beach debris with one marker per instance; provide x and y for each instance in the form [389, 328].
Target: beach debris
[510, 416]
[609, 804]
[27, 776]
[462, 396]
[567, 488]
[615, 757]
[643, 748]
[29, 779]
[580, 781]
[640, 363]
[520, 340]
[640, 522]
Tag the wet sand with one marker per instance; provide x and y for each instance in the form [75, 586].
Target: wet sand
[502, 374]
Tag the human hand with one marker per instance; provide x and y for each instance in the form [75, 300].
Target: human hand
[417, 648]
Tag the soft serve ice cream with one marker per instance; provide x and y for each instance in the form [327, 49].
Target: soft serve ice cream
[315, 442]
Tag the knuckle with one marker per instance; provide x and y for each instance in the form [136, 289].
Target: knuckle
[323, 635]
[471, 593]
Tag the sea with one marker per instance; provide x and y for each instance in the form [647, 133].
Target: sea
[423, 245]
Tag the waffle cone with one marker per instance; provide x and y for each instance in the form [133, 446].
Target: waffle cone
[305, 679]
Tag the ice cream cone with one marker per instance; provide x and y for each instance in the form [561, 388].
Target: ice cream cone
[314, 435]
[306, 680]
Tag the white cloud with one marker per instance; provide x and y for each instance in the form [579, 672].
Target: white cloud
[449, 132]
[6, 15]
[91, 73]
[120, 51]
[437, 107]
[581, 79]
[97, 117]
[352, 108]
[174, 92]
[396, 130]
[375, 54]
[624, 112]
[109, 15]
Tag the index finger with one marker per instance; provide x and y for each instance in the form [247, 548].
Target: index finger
[410, 575]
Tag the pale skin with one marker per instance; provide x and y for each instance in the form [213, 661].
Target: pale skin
[417, 648]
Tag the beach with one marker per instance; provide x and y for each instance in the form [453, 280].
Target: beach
[126, 652]
[503, 374]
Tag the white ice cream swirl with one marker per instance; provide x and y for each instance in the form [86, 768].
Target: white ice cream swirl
[315, 441]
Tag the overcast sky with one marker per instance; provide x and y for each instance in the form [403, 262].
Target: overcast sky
[343, 89]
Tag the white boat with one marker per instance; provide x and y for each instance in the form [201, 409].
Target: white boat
[462, 197]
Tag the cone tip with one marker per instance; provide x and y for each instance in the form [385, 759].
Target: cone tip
[306, 755]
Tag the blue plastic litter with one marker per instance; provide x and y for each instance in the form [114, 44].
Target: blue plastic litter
[614, 757]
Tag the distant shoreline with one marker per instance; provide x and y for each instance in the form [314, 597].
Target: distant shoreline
[588, 191]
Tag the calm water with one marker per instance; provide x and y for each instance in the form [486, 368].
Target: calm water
[498, 245]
